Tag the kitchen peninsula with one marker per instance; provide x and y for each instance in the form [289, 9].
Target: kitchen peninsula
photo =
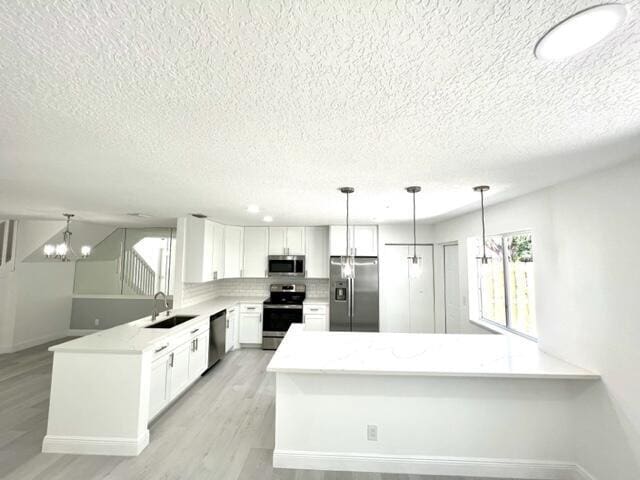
[424, 404]
[107, 387]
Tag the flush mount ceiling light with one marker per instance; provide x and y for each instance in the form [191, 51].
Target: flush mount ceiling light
[253, 209]
[482, 188]
[347, 262]
[580, 31]
[267, 218]
[63, 251]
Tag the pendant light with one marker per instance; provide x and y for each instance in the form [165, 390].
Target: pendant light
[482, 188]
[63, 251]
[347, 262]
[415, 262]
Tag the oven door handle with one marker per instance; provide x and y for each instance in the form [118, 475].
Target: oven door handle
[286, 307]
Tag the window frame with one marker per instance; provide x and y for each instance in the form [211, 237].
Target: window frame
[492, 324]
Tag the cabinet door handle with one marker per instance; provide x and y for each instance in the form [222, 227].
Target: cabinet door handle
[313, 309]
[241, 273]
[161, 348]
[197, 344]
[227, 323]
[251, 308]
[171, 360]
[194, 331]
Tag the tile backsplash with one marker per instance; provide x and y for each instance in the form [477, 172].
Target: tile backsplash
[200, 292]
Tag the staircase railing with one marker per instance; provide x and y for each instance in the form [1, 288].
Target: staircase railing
[137, 274]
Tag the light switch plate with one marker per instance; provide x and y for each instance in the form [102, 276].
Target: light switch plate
[372, 433]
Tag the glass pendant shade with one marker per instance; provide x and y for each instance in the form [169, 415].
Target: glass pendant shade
[85, 251]
[347, 266]
[415, 267]
[347, 261]
[484, 260]
[49, 250]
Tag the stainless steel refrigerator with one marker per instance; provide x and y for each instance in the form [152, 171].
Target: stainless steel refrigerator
[354, 302]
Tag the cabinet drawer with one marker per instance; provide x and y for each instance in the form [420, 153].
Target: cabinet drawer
[251, 308]
[315, 308]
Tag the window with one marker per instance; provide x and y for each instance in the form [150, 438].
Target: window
[506, 291]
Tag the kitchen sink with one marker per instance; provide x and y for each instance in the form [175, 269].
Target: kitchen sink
[171, 321]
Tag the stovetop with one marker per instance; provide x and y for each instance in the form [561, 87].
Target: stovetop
[286, 294]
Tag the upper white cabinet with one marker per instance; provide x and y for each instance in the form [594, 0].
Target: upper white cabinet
[218, 251]
[256, 250]
[286, 241]
[317, 252]
[232, 251]
[363, 240]
[203, 250]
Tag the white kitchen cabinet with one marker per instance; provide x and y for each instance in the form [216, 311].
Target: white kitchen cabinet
[203, 250]
[231, 340]
[256, 250]
[198, 250]
[316, 317]
[250, 323]
[363, 240]
[159, 385]
[179, 369]
[198, 354]
[232, 251]
[316, 323]
[218, 251]
[286, 240]
[317, 252]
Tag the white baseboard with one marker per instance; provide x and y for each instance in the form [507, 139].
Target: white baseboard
[423, 465]
[125, 447]
[32, 342]
[80, 332]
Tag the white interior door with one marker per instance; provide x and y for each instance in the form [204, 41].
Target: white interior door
[452, 312]
[394, 290]
[421, 297]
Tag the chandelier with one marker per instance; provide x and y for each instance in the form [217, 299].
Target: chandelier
[63, 251]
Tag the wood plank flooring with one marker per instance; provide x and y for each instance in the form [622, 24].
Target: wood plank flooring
[222, 428]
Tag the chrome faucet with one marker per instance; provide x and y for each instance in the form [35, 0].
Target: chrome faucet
[155, 312]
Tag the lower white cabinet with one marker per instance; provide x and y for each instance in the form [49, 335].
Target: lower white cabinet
[316, 317]
[159, 391]
[250, 323]
[179, 369]
[198, 353]
[176, 365]
[232, 341]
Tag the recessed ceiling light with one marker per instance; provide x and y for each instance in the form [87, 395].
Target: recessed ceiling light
[253, 209]
[267, 218]
[580, 31]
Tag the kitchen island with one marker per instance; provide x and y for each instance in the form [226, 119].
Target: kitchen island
[106, 387]
[477, 405]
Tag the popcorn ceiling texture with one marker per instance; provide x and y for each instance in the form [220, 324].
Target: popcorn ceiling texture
[169, 107]
[200, 292]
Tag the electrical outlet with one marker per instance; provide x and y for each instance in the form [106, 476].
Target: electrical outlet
[372, 433]
[97, 322]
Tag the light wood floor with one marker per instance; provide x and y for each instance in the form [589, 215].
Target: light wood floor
[222, 428]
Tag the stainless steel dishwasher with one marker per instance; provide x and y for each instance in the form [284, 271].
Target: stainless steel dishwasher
[217, 337]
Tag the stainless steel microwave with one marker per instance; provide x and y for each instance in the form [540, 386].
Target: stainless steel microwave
[286, 265]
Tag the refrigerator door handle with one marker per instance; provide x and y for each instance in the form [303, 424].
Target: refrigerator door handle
[351, 295]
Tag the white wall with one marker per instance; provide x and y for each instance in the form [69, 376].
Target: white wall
[586, 235]
[43, 302]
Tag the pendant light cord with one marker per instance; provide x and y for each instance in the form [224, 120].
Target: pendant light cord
[484, 238]
[347, 228]
[415, 255]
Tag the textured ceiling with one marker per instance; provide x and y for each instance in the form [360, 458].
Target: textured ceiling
[168, 107]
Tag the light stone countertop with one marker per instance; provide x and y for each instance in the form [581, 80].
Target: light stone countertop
[134, 338]
[445, 355]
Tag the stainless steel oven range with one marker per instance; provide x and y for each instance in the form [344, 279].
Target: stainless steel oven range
[283, 308]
